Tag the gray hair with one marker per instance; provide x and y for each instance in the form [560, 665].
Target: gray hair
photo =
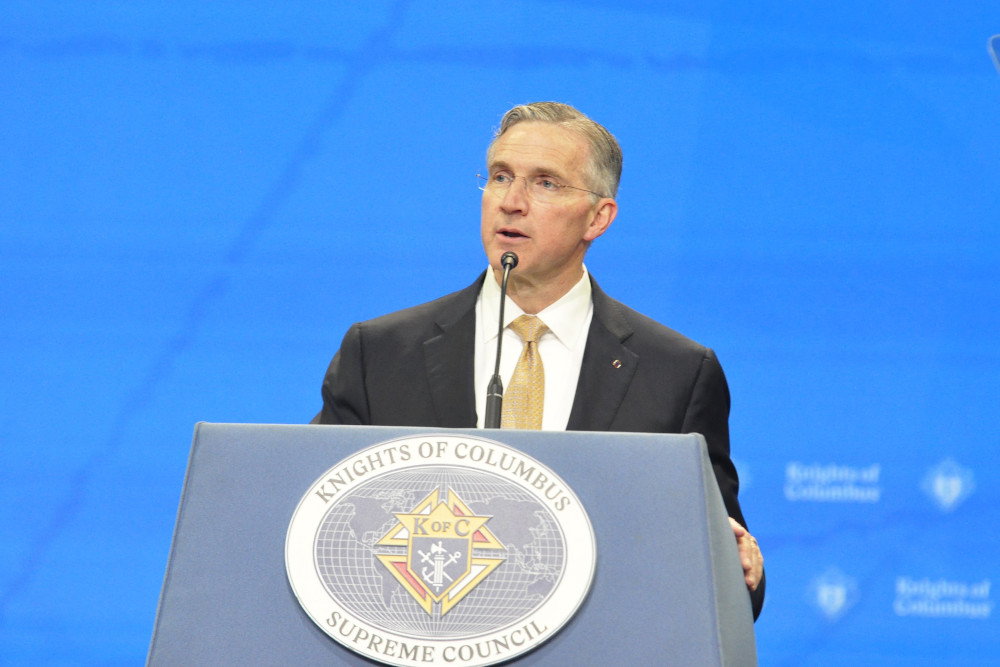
[604, 169]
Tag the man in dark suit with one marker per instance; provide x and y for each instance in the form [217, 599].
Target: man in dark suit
[549, 192]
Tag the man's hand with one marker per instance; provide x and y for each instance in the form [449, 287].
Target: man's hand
[750, 556]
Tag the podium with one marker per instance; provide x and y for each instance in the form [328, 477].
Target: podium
[668, 586]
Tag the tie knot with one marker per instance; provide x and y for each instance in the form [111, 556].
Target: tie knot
[529, 328]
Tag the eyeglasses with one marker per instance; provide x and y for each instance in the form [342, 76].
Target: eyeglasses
[542, 189]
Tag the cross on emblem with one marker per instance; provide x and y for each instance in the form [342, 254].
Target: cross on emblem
[449, 551]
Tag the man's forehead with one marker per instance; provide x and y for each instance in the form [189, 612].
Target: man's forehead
[538, 146]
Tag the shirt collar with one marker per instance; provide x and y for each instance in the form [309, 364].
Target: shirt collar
[565, 318]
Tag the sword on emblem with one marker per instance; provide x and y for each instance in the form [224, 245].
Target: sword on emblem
[436, 563]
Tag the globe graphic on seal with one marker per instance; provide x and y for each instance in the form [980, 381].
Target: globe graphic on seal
[345, 552]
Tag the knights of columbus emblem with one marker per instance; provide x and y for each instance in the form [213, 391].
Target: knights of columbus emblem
[449, 551]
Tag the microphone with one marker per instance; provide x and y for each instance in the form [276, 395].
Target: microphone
[494, 393]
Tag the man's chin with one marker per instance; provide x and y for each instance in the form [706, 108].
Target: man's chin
[496, 251]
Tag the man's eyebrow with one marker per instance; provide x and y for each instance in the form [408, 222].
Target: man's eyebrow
[547, 170]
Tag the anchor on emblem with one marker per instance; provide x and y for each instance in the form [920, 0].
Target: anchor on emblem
[437, 559]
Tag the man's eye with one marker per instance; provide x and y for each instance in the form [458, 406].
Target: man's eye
[501, 178]
[547, 184]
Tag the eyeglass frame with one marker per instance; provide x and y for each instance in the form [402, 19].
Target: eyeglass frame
[485, 182]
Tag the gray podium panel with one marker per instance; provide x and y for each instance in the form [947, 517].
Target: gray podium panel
[668, 587]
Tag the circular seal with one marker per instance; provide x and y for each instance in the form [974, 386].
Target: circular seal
[440, 549]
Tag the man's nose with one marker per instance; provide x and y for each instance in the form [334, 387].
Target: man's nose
[516, 196]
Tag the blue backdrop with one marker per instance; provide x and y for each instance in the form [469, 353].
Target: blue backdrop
[197, 200]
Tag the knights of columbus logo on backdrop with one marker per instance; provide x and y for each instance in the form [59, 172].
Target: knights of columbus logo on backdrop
[833, 593]
[438, 566]
[948, 484]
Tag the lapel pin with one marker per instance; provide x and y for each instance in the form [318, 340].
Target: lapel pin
[616, 363]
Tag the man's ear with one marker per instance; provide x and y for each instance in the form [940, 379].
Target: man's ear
[604, 215]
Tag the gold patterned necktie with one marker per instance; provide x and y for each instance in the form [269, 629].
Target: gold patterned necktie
[525, 396]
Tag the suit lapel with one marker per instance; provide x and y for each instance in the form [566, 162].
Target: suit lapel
[608, 367]
[448, 358]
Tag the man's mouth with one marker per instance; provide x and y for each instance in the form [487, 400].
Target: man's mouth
[512, 234]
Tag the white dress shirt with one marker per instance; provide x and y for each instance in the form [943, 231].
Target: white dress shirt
[561, 347]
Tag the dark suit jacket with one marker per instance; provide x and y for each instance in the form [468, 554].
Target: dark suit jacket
[414, 367]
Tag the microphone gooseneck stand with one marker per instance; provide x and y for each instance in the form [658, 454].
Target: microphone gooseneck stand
[494, 393]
